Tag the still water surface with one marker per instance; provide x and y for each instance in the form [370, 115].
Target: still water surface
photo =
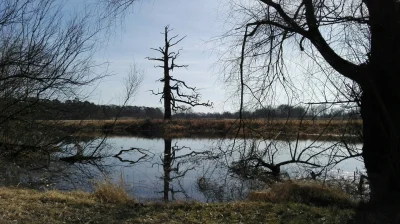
[188, 169]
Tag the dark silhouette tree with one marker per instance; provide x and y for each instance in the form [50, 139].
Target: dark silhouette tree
[173, 93]
[356, 42]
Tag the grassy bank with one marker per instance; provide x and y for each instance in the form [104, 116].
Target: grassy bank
[220, 128]
[30, 206]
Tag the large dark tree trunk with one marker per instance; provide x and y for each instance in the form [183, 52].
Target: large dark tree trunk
[380, 104]
[381, 128]
[381, 144]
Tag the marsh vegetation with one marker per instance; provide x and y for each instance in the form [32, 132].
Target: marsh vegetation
[318, 134]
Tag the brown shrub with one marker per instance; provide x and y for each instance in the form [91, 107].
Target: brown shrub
[311, 193]
[110, 192]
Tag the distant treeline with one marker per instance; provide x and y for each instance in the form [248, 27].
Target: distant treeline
[280, 112]
[78, 110]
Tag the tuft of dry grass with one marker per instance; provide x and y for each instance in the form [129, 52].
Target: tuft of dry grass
[109, 192]
[305, 192]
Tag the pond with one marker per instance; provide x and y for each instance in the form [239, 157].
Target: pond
[181, 169]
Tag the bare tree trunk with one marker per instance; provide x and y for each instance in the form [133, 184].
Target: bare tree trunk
[167, 78]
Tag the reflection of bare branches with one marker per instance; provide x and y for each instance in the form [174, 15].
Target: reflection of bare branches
[76, 150]
[145, 154]
[57, 174]
[265, 158]
[178, 165]
[192, 154]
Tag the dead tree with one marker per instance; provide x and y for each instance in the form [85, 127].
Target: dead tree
[173, 91]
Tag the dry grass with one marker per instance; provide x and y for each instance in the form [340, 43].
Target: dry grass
[219, 128]
[305, 192]
[30, 206]
[109, 192]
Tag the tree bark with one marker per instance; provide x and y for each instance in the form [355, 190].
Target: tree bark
[167, 96]
[167, 79]
[381, 146]
[379, 105]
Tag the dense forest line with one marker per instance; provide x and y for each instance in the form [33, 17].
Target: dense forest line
[80, 110]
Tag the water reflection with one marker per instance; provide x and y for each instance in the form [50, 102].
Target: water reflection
[164, 169]
[177, 161]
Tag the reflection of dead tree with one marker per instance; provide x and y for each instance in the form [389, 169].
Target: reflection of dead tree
[167, 164]
[173, 94]
[174, 164]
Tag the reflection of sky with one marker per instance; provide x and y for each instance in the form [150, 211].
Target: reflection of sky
[144, 178]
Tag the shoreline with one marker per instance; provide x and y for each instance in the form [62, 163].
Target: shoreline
[228, 128]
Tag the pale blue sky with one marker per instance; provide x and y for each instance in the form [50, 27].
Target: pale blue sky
[130, 39]
[140, 30]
